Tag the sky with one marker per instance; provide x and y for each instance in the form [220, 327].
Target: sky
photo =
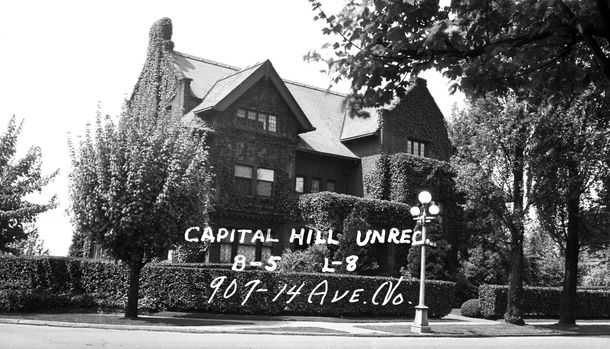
[60, 59]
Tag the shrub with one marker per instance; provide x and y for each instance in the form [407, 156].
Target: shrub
[348, 246]
[328, 210]
[181, 289]
[334, 211]
[190, 253]
[436, 257]
[38, 283]
[471, 308]
[310, 260]
[596, 276]
[543, 302]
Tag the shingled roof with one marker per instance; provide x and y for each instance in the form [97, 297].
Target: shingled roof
[324, 109]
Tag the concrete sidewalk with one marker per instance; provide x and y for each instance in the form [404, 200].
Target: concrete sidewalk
[452, 325]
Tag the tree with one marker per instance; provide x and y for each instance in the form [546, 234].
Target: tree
[33, 245]
[137, 187]
[572, 153]
[492, 139]
[18, 179]
[483, 45]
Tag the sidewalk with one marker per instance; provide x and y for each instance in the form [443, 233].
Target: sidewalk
[452, 325]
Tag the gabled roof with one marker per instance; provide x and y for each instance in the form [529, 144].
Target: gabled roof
[229, 88]
[325, 110]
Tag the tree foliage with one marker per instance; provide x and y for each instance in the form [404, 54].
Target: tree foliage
[18, 179]
[136, 187]
[572, 153]
[493, 138]
[483, 45]
[33, 245]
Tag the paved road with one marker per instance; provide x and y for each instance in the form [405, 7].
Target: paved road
[32, 337]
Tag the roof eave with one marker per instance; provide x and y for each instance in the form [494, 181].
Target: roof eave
[374, 133]
[311, 151]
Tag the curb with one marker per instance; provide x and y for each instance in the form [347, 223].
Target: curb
[263, 331]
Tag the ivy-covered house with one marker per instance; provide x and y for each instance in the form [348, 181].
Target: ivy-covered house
[271, 139]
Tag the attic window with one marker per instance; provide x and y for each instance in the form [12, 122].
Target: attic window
[416, 148]
[256, 120]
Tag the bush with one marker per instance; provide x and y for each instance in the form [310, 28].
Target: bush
[190, 253]
[543, 302]
[436, 257]
[348, 246]
[326, 210]
[471, 308]
[310, 260]
[596, 276]
[31, 284]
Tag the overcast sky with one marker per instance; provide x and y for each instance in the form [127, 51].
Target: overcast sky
[59, 58]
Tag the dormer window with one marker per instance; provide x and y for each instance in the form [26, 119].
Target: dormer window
[416, 148]
[256, 120]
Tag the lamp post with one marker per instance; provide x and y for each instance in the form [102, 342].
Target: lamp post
[422, 214]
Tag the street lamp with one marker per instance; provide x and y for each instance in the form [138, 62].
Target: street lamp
[423, 213]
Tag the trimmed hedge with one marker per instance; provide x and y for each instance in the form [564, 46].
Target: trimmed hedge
[471, 308]
[327, 210]
[37, 283]
[543, 302]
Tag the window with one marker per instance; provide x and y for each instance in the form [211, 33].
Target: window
[264, 182]
[225, 253]
[243, 179]
[262, 121]
[272, 123]
[248, 251]
[256, 120]
[331, 186]
[416, 148]
[252, 119]
[299, 185]
[315, 185]
[244, 176]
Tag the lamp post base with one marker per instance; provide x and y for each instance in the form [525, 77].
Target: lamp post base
[420, 323]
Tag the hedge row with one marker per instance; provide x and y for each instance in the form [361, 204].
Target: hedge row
[327, 210]
[543, 302]
[37, 283]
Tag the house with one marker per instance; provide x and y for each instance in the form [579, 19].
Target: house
[271, 138]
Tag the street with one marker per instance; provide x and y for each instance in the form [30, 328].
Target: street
[32, 337]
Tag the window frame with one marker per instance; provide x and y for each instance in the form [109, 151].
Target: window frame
[334, 184]
[263, 121]
[253, 188]
[235, 185]
[319, 180]
[264, 181]
[421, 146]
[303, 186]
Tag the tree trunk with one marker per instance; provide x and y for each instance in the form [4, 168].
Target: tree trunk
[567, 308]
[131, 311]
[514, 313]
